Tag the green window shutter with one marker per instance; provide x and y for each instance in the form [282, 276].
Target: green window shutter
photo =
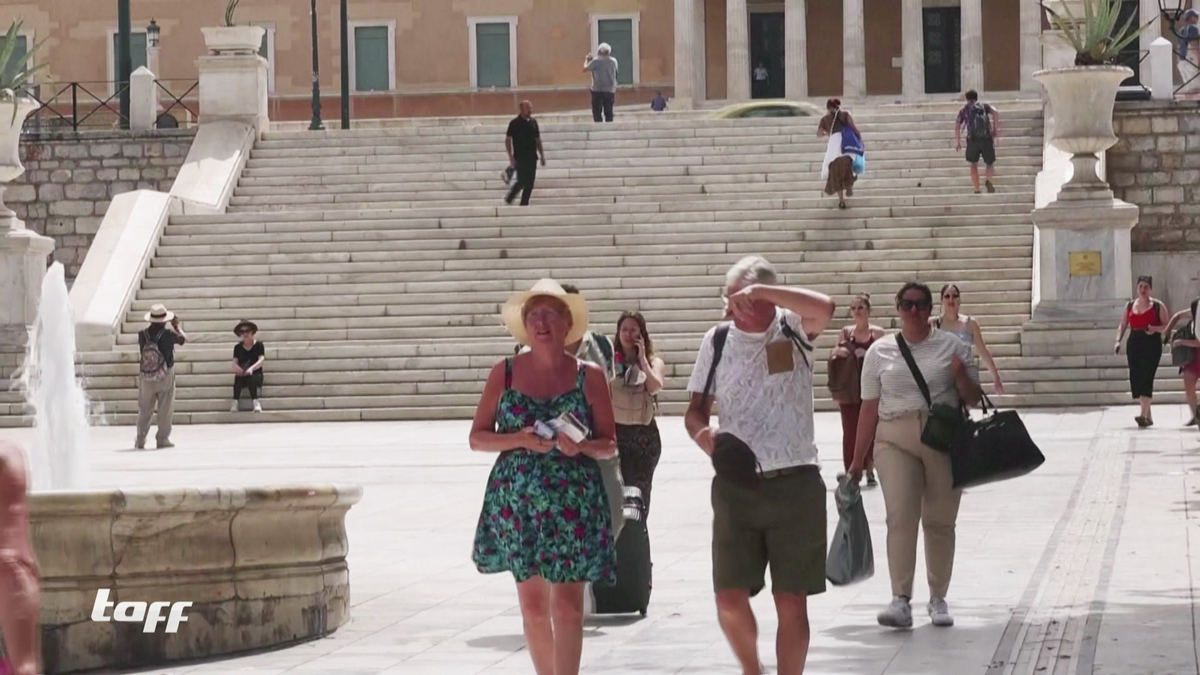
[263, 51]
[618, 33]
[18, 53]
[137, 49]
[371, 54]
[493, 63]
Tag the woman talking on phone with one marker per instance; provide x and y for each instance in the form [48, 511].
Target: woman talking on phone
[639, 377]
[545, 515]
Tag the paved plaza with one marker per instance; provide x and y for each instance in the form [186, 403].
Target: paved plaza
[1083, 567]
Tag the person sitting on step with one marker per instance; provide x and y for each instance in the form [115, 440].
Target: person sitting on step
[248, 358]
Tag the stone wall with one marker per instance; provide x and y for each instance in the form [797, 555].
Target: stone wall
[1156, 165]
[70, 179]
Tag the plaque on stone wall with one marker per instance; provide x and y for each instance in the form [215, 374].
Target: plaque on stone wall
[1085, 263]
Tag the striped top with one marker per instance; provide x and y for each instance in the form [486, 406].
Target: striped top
[885, 375]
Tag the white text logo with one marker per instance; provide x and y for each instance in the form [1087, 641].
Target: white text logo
[135, 612]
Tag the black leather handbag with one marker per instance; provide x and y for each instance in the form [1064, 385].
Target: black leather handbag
[995, 448]
[946, 422]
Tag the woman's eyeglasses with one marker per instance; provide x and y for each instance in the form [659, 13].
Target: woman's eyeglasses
[910, 305]
[543, 315]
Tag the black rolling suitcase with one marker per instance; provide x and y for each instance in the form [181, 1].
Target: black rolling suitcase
[632, 590]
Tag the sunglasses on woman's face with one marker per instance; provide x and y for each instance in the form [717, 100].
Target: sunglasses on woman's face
[911, 305]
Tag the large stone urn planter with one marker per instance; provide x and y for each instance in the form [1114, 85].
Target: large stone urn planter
[1081, 106]
[233, 39]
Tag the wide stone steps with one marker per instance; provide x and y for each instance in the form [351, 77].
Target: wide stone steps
[376, 260]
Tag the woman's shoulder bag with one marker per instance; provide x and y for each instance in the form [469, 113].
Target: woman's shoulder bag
[946, 422]
[844, 375]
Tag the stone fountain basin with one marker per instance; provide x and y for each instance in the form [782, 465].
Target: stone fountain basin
[264, 566]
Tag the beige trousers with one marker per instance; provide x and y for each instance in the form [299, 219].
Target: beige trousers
[917, 491]
[153, 395]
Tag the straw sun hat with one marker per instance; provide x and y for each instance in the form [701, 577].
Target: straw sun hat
[159, 314]
[513, 314]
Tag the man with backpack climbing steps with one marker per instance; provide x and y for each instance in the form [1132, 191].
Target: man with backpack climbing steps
[156, 374]
[981, 122]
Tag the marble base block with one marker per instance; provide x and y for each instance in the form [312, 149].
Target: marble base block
[1067, 292]
[262, 566]
[22, 268]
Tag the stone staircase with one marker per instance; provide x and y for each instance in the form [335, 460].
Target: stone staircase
[375, 261]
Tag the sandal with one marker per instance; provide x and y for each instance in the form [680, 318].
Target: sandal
[1141, 422]
[842, 204]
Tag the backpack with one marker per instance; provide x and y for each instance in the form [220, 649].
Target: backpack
[722, 333]
[153, 367]
[979, 124]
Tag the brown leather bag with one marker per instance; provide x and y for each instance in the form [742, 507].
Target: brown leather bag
[843, 374]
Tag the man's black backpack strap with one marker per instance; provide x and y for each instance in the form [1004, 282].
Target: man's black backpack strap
[718, 345]
[802, 344]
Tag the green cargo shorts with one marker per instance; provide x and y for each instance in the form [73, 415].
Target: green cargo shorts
[780, 525]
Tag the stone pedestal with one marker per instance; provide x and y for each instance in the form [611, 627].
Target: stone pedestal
[233, 87]
[22, 268]
[1083, 258]
[143, 100]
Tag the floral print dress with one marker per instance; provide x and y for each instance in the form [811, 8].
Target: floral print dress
[544, 515]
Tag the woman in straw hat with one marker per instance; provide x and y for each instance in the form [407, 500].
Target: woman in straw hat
[545, 513]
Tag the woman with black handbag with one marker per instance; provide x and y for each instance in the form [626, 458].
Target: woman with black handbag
[913, 384]
[1185, 353]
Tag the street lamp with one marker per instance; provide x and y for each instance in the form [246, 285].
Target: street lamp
[315, 123]
[1172, 11]
[153, 33]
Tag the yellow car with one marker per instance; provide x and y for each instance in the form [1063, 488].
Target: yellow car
[773, 108]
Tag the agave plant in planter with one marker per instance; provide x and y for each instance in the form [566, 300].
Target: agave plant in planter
[1082, 97]
[232, 38]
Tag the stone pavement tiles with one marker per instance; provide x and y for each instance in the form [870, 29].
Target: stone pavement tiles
[1084, 567]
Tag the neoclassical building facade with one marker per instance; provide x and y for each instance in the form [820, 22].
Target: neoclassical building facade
[724, 49]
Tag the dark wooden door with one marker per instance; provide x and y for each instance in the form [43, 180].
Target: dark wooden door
[766, 49]
[943, 50]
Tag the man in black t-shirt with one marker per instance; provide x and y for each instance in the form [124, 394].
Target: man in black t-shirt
[524, 143]
[156, 376]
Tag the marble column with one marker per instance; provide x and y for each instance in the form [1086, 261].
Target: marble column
[971, 32]
[1031, 45]
[685, 53]
[912, 27]
[854, 50]
[795, 40]
[737, 46]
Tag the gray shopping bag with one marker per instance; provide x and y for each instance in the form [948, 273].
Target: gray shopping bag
[851, 558]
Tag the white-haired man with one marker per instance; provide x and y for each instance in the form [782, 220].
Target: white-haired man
[603, 68]
[768, 497]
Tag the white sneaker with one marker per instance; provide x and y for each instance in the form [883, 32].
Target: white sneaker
[257, 407]
[897, 615]
[939, 613]
[233, 408]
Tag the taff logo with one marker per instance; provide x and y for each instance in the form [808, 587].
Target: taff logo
[134, 612]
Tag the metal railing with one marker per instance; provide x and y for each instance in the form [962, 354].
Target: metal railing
[82, 106]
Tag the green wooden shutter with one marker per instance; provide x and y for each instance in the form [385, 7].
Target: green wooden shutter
[263, 50]
[371, 54]
[137, 49]
[20, 47]
[618, 33]
[493, 62]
